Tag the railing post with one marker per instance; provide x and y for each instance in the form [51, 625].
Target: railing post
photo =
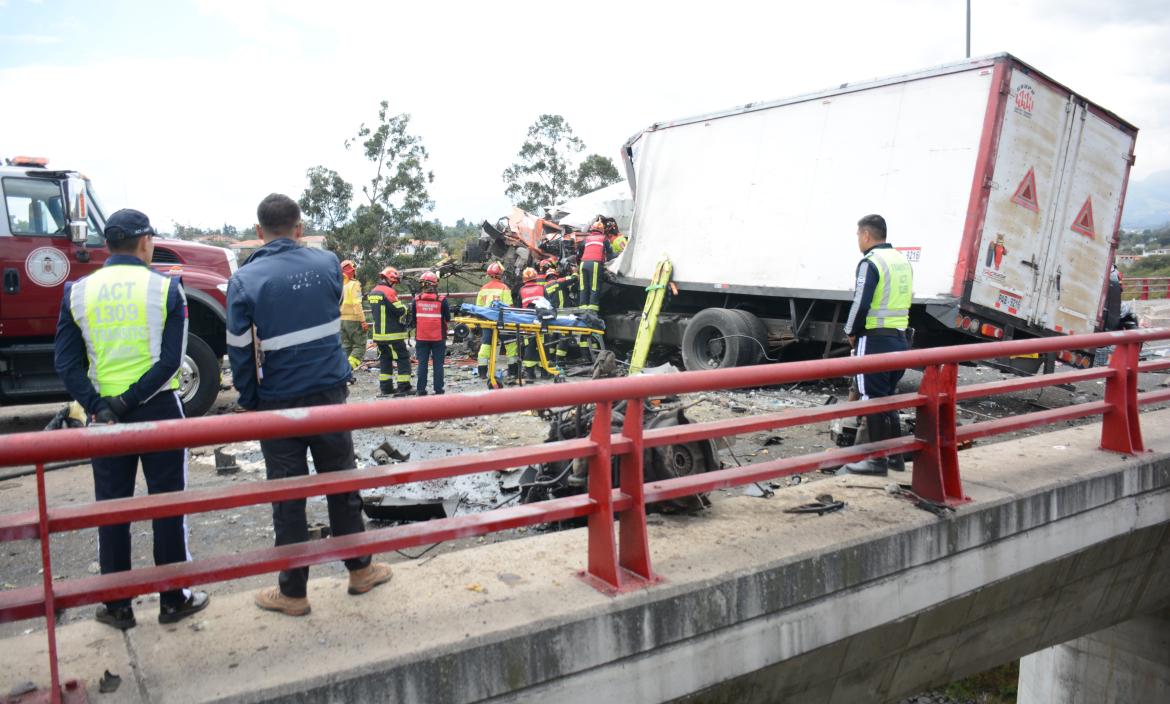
[936, 466]
[47, 572]
[603, 566]
[1121, 429]
[633, 542]
[1145, 290]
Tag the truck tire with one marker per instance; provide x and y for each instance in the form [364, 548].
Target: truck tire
[755, 348]
[715, 339]
[198, 377]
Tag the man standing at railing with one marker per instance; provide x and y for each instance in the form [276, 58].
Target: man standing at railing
[877, 323]
[284, 346]
[120, 339]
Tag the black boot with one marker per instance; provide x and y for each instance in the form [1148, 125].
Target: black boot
[482, 369]
[530, 373]
[544, 373]
[404, 389]
[514, 371]
[877, 425]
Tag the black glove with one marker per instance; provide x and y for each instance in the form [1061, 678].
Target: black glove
[104, 417]
[117, 406]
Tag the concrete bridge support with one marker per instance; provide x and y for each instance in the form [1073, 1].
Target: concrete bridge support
[1129, 662]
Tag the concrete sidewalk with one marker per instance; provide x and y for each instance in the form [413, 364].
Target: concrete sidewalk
[495, 620]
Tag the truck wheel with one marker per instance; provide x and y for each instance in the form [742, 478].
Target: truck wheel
[198, 377]
[715, 339]
[756, 348]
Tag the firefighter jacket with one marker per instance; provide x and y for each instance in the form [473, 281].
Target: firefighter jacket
[554, 291]
[351, 301]
[283, 314]
[389, 314]
[430, 313]
[529, 293]
[596, 248]
[494, 290]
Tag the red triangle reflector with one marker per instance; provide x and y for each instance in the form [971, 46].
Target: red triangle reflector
[1026, 192]
[1083, 223]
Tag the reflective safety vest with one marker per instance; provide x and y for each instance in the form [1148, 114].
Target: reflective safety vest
[494, 290]
[619, 244]
[121, 311]
[428, 314]
[890, 307]
[594, 248]
[389, 314]
[553, 292]
[351, 301]
[529, 292]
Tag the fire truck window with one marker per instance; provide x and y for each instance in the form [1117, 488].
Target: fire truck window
[34, 206]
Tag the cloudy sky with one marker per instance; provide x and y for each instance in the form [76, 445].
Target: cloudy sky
[194, 110]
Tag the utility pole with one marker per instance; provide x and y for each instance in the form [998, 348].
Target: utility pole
[968, 29]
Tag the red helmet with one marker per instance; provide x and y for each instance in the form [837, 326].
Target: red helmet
[429, 278]
[495, 270]
[528, 274]
[597, 226]
[348, 264]
[391, 275]
[546, 264]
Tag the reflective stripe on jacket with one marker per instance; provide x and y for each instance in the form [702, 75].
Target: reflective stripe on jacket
[351, 301]
[890, 305]
[428, 318]
[121, 311]
[594, 250]
[389, 314]
[529, 292]
[494, 290]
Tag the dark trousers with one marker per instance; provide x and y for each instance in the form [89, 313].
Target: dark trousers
[436, 351]
[391, 354]
[113, 478]
[590, 285]
[286, 457]
[881, 426]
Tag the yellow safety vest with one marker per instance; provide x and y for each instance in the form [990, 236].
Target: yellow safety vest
[351, 301]
[890, 307]
[121, 311]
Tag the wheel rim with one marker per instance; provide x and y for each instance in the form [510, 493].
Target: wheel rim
[684, 459]
[711, 347]
[188, 379]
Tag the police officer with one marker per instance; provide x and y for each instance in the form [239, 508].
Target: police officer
[431, 314]
[120, 340]
[877, 323]
[495, 290]
[595, 251]
[390, 316]
[284, 346]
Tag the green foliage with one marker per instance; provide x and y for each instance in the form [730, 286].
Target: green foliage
[1156, 265]
[995, 686]
[214, 235]
[396, 196]
[544, 172]
[595, 172]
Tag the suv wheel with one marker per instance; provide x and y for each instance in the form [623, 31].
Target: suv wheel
[198, 377]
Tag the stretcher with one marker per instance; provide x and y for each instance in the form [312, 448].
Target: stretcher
[525, 322]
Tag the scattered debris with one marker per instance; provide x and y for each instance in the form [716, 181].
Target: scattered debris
[510, 579]
[475, 587]
[109, 683]
[317, 531]
[386, 452]
[225, 462]
[773, 440]
[389, 508]
[825, 503]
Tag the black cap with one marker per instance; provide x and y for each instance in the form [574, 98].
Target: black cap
[128, 223]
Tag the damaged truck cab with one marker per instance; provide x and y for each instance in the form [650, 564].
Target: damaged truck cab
[51, 227]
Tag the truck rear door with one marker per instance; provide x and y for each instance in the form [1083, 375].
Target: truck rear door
[37, 256]
[1077, 259]
[1023, 206]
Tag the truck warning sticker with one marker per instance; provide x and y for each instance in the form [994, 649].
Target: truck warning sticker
[1083, 223]
[912, 254]
[1025, 100]
[995, 252]
[46, 266]
[1025, 195]
[1011, 302]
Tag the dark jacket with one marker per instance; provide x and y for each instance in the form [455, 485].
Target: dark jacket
[288, 297]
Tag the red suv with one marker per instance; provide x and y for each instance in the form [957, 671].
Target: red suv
[51, 232]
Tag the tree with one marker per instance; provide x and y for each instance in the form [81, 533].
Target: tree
[395, 196]
[544, 172]
[595, 172]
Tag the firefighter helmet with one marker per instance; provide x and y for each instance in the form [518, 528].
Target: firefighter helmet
[495, 270]
[348, 264]
[528, 274]
[597, 226]
[391, 275]
[429, 278]
[546, 264]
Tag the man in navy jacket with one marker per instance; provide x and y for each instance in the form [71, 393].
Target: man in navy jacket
[284, 346]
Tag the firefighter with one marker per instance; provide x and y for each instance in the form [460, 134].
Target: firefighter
[554, 291]
[495, 290]
[353, 318]
[617, 240]
[877, 323]
[595, 250]
[431, 314]
[531, 292]
[390, 332]
[121, 337]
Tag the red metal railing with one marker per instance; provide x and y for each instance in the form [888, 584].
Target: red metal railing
[1146, 288]
[612, 565]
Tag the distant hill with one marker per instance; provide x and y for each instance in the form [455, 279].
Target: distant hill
[1147, 202]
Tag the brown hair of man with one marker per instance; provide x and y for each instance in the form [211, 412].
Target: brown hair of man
[279, 216]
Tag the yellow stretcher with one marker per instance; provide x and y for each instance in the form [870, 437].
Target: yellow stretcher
[535, 330]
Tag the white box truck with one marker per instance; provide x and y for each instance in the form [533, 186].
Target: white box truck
[1003, 187]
